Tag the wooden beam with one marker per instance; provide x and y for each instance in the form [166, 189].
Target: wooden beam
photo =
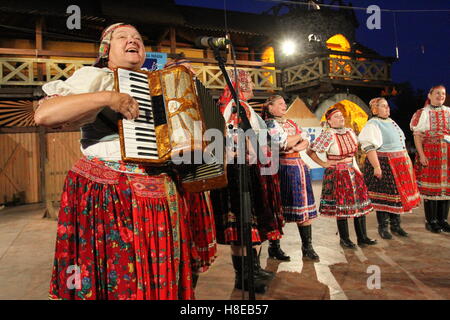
[38, 52]
[173, 40]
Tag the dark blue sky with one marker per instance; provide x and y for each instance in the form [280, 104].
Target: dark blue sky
[423, 38]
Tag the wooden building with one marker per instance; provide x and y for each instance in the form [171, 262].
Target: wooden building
[36, 46]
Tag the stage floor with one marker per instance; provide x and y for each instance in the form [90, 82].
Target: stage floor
[413, 268]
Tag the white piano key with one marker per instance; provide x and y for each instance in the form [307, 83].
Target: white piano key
[132, 124]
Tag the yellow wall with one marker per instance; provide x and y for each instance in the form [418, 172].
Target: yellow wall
[355, 117]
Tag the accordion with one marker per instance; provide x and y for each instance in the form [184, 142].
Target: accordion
[174, 112]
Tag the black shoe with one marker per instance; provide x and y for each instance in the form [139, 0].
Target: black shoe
[442, 215]
[307, 248]
[347, 243]
[276, 252]
[383, 222]
[431, 224]
[260, 285]
[361, 232]
[395, 225]
[260, 272]
[194, 280]
[343, 234]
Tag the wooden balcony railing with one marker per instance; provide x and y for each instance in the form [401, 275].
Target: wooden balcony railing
[37, 71]
[338, 68]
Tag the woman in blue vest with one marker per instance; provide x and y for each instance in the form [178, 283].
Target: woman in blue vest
[388, 170]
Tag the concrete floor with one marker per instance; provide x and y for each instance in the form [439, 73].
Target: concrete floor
[413, 268]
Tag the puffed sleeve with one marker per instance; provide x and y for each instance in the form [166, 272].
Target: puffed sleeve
[323, 142]
[419, 121]
[277, 134]
[83, 80]
[370, 137]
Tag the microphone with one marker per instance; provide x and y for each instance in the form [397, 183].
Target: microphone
[210, 42]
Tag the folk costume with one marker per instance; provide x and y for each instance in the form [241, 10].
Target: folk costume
[396, 192]
[344, 193]
[123, 229]
[434, 179]
[295, 181]
[266, 217]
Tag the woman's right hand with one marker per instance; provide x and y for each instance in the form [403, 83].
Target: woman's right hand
[423, 161]
[124, 104]
[329, 163]
[377, 172]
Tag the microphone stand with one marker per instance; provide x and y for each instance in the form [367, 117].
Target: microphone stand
[244, 180]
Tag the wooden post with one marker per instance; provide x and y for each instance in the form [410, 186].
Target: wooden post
[173, 41]
[39, 46]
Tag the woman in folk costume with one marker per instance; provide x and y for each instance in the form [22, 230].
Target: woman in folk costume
[295, 179]
[431, 127]
[388, 170]
[266, 223]
[344, 193]
[122, 228]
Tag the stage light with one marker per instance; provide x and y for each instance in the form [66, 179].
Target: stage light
[288, 47]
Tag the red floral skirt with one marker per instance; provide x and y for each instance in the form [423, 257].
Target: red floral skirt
[396, 191]
[434, 179]
[122, 234]
[344, 193]
[202, 226]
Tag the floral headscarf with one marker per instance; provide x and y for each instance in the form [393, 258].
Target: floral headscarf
[244, 85]
[105, 43]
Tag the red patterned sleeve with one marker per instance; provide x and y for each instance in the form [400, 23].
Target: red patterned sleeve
[323, 142]
[415, 119]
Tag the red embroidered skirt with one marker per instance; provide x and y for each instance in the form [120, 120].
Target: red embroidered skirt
[122, 234]
[344, 193]
[396, 191]
[202, 226]
[434, 179]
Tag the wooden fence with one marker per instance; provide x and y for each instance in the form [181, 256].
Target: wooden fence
[34, 163]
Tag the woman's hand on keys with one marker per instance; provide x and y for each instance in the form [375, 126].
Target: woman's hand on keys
[124, 104]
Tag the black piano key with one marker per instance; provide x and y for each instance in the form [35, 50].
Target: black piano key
[144, 135]
[139, 91]
[141, 80]
[140, 88]
[144, 129]
[147, 148]
[139, 75]
[145, 154]
[144, 140]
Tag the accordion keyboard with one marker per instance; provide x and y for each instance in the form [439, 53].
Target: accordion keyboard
[139, 134]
